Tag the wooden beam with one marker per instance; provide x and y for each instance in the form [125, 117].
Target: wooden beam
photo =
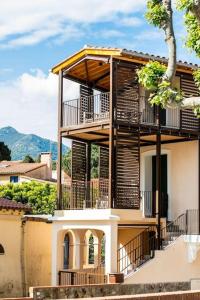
[59, 163]
[158, 180]
[101, 77]
[111, 141]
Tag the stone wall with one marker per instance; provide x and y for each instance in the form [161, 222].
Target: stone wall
[88, 291]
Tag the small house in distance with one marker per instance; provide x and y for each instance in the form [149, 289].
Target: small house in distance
[19, 171]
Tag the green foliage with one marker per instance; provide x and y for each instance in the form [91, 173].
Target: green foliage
[193, 33]
[196, 110]
[184, 4]
[156, 13]
[196, 75]
[28, 159]
[40, 197]
[54, 165]
[5, 153]
[94, 161]
[151, 74]
[67, 162]
[166, 96]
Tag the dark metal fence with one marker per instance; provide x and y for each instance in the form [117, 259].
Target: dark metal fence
[137, 251]
[81, 195]
[84, 110]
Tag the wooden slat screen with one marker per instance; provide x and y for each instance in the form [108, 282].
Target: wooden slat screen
[127, 193]
[86, 102]
[103, 171]
[126, 92]
[78, 174]
[188, 119]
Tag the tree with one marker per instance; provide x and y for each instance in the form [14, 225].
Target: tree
[156, 77]
[5, 153]
[28, 159]
[41, 197]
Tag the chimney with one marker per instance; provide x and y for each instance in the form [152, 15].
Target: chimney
[46, 158]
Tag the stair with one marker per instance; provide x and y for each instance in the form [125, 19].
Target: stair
[141, 249]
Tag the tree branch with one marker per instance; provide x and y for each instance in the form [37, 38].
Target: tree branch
[171, 41]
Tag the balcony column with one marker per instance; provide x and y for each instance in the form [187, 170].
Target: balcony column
[158, 178]
[60, 123]
[88, 175]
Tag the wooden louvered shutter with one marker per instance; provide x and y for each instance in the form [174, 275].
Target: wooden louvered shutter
[103, 172]
[86, 103]
[188, 119]
[127, 194]
[78, 174]
[126, 93]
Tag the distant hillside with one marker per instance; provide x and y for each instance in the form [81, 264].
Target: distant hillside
[22, 144]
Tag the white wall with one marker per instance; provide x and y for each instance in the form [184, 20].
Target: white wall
[182, 175]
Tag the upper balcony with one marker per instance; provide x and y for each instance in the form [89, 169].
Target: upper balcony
[95, 109]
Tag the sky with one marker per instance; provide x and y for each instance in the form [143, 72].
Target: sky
[36, 35]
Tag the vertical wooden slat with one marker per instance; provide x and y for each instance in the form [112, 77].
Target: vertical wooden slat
[103, 171]
[59, 164]
[78, 174]
[158, 176]
[86, 102]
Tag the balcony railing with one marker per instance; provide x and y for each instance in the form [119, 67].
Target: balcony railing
[82, 195]
[85, 110]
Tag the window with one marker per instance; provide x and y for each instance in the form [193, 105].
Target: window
[2, 252]
[66, 252]
[14, 179]
[91, 250]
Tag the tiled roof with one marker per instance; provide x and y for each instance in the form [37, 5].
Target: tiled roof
[10, 204]
[18, 167]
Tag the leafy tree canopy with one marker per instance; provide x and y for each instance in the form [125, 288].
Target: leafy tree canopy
[154, 77]
[40, 197]
[28, 159]
[5, 153]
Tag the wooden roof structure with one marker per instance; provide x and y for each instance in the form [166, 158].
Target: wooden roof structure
[91, 64]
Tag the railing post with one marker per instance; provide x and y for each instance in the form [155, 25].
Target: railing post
[186, 222]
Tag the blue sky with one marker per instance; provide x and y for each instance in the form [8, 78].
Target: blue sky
[35, 35]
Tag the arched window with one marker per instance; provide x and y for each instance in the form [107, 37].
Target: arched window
[103, 242]
[66, 252]
[2, 250]
[91, 250]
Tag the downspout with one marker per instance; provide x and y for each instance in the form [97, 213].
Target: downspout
[22, 258]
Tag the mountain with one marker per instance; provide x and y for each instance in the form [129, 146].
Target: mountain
[22, 144]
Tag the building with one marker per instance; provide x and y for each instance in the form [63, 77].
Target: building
[147, 197]
[18, 171]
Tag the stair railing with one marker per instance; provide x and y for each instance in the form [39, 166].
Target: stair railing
[173, 230]
[137, 251]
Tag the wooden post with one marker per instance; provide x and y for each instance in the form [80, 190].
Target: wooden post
[60, 123]
[111, 141]
[88, 176]
[199, 184]
[158, 179]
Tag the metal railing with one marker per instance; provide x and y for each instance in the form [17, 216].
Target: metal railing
[186, 223]
[71, 277]
[83, 195]
[85, 110]
[137, 251]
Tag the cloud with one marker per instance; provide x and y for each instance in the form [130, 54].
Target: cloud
[29, 103]
[29, 22]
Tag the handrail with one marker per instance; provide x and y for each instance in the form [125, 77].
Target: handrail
[137, 251]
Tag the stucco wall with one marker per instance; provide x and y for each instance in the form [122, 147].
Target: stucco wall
[10, 266]
[126, 234]
[37, 253]
[170, 264]
[182, 176]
